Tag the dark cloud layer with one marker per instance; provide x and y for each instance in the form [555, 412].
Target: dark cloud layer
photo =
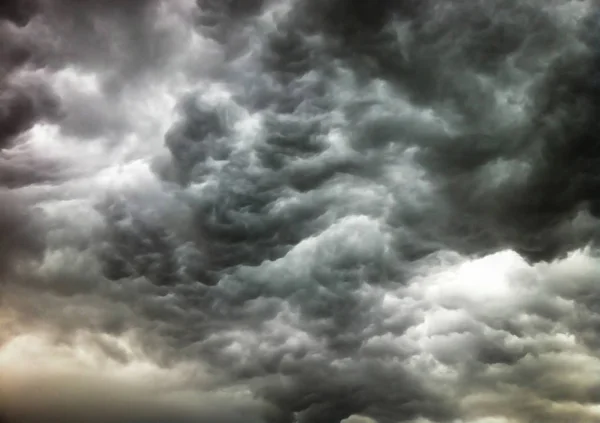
[299, 211]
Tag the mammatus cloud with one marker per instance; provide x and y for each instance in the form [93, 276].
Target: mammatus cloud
[298, 211]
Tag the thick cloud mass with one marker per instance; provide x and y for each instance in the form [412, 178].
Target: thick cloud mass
[299, 211]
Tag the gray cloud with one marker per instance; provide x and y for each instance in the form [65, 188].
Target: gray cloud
[341, 212]
[75, 397]
[19, 241]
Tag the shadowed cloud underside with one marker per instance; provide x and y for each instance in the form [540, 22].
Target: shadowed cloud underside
[299, 211]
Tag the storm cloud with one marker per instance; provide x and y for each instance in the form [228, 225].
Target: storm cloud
[299, 211]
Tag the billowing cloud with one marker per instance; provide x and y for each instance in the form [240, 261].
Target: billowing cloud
[298, 211]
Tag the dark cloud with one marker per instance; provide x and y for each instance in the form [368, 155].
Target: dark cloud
[445, 66]
[22, 104]
[19, 240]
[355, 210]
[17, 11]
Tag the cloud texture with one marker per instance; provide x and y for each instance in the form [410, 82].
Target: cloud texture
[299, 211]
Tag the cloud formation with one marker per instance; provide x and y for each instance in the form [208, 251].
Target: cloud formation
[298, 211]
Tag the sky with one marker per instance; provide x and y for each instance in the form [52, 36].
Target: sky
[299, 211]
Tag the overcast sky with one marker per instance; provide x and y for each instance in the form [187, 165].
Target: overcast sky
[306, 211]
